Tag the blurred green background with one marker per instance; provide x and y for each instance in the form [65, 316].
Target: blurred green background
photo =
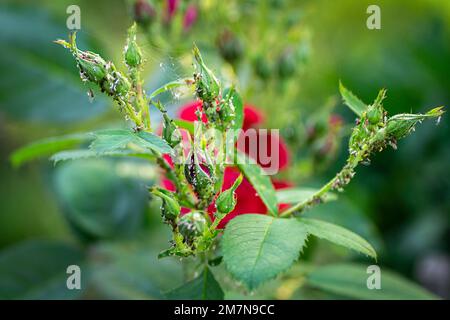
[287, 58]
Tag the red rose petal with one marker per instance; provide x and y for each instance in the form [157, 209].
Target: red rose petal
[252, 117]
[279, 160]
[187, 112]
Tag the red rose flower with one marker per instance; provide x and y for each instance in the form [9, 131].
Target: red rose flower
[248, 201]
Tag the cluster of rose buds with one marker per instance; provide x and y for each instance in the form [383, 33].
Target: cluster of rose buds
[201, 172]
[219, 111]
[374, 131]
[283, 66]
[286, 64]
[147, 13]
[96, 70]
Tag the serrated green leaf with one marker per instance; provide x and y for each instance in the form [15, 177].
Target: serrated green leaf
[345, 214]
[204, 287]
[73, 155]
[154, 142]
[113, 140]
[261, 182]
[257, 248]
[295, 195]
[352, 101]
[87, 153]
[37, 270]
[350, 280]
[338, 235]
[46, 147]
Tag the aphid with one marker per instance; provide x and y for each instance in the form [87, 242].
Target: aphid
[90, 94]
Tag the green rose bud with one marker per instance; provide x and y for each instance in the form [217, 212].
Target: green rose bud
[132, 52]
[376, 111]
[226, 201]
[262, 67]
[91, 65]
[287, 65]
[192, 225]
[119, 85]
[401, 125]
[170, 209]
[144, 13]
[95, 69]
[230, 47]
[374, 115]
[201, 181]
[207, 85]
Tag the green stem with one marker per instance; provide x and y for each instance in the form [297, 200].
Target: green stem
[315, 198]
[132, 114]
[341, 179]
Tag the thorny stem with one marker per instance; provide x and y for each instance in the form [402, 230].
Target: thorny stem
[133, 116]
[318, 196]
[342, 178]
[141, 100]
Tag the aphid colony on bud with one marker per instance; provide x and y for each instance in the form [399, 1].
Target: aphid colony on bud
[374, 132]
[219, 112]
[170, 209]
[95, 69]
[201, 176]
[191, 226]
[132, 52]
[123, 89]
